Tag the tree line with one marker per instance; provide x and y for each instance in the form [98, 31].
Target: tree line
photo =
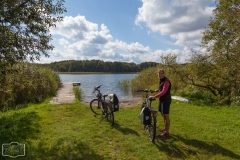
[97, 66]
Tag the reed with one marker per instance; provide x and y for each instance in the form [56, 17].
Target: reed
[28, 84]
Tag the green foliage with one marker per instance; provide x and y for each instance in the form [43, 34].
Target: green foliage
[78, 92]
[221, 41]
[24, 28]
[125, 83]
[197, 96]
[149, 79]
[146, 65]
[24, 34]
[208, 76]
[29, 84]
[146, 79]
[97, 66]
[236, 101]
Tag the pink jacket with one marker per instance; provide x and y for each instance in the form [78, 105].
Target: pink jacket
[165, 88]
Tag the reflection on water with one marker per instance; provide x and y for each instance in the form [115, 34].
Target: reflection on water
[109, 84]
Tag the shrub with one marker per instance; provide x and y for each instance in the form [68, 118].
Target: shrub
[28, 84]
[146, 79]
[78, 93]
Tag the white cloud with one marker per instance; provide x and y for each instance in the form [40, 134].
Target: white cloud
[63, 42]
[91, 42]
[182, 20]
[74, 27]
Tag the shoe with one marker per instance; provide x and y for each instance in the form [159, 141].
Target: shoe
[165, 134]
[163, 130]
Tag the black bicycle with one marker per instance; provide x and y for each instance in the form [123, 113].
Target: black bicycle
[148, 115]
[101, 106]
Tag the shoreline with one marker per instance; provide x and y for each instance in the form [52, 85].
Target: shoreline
[97, 72]
[65, 94]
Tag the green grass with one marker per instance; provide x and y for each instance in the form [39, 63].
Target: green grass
[70, 131]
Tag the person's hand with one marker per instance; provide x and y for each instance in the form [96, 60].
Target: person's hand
[151, 97]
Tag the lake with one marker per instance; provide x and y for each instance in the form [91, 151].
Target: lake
[109, 84]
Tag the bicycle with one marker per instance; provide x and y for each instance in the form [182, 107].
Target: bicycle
[101, 106]
[148, 115]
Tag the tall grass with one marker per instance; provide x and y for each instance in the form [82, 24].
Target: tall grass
[125, 85]
[78, 92]
[28, 84]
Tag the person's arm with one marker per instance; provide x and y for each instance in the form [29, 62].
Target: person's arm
[164, 90]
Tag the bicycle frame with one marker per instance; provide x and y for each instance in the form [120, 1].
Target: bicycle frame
[100, 106]
[99, 95]
[150, 128]
[153, 111]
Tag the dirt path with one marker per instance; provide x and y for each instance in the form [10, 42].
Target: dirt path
[65, 94]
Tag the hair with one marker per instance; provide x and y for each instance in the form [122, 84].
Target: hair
[161, 70]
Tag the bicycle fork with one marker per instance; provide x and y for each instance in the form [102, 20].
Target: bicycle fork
[154, 113]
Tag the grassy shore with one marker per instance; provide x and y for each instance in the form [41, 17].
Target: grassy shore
[70, 131]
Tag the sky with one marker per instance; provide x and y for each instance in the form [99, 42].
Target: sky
[129, 30]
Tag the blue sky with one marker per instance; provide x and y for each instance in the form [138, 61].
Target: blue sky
[129, 30]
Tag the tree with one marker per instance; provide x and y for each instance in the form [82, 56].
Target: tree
[24, 32]
[217, 70]
[24, 28]
[221, 39]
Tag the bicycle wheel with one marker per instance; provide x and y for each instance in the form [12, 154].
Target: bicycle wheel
[110, 116]
[96, 106]
[151, 129]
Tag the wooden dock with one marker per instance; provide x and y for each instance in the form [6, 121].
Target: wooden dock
[65, 93]
[76, 83]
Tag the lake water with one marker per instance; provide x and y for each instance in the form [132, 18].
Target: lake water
[109, 84]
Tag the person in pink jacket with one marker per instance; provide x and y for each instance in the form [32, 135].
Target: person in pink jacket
[164, 95]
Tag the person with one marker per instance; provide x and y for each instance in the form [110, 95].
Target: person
[164, 95]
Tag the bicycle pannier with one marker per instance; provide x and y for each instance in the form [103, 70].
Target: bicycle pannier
[146, 116]
[115, 102]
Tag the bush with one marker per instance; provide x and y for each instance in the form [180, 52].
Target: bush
[146, 79]
[196, 95]
[78, 93]
[28, 84]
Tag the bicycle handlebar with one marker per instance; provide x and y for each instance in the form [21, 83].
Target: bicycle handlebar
[96, 88]
[146, 90]
[152, 98]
